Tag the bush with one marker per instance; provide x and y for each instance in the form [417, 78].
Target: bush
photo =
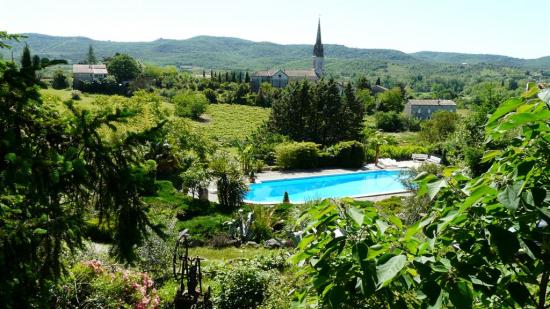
[59, 81]
[190, 104]
[389, 121]
[297, 155]
[347, 154]
[242, 286]
[229, 181]
[204, 228]
[210, 95]
[401, 152]
[102, 233]
[76, 95]
[92, 285]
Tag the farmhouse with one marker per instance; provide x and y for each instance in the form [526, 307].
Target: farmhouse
[89, 72]
[423, 109]
[280, 78]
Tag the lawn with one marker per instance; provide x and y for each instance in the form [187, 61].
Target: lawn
[65, 94]
[230, 123]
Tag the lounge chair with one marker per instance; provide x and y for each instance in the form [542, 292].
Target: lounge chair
[387, 163]
[434, 159]
[419, 157]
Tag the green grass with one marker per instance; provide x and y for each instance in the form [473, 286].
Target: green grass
[229, 123]
[65, 94]
[231, 253]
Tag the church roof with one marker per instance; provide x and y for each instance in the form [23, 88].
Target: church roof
[297, 74]
[318, 48]
[267, 73]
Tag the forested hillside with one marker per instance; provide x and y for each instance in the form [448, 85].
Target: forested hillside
[233, 53]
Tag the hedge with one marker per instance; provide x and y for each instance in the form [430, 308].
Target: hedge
[350, 154]
[297, 155]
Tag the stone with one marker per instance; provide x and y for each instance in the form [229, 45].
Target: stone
[272, 243]
[252, 244]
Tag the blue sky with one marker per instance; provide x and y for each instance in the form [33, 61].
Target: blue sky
[519, 28]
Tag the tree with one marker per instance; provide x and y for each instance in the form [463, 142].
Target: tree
[55, 171]
[229, 181]
[363, 83]
[439, 127]
[59, 80]
[90, 57]
[368, 101]
[247, 77]
[353, 113]
[391, 100]
[123, 67]
[376, 139]
[26, 61]
[378, 83]
[190, 104]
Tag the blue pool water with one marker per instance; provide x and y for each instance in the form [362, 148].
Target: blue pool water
[301, 190]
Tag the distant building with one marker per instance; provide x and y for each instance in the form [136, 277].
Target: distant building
[423, 109]
[89, 72]
[280, 78]
[376, 89]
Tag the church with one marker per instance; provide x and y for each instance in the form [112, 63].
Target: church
[280, 78]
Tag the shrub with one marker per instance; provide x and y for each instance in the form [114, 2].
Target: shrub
[401, 152]
[92, 285]
[203, 228]
[242, 286]
[347, 154]
[102, 233]
[229, 181]
[59, 81]
[76, 95]
[297, 155]
[190, 104]
[389, 121]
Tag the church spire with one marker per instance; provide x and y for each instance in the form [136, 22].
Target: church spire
[318, 48]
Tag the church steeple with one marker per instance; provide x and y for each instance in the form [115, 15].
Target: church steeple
[318, 48]
[318, 53]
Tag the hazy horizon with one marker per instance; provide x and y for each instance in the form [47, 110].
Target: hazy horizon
[515, 29]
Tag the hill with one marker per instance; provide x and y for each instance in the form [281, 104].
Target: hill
[223, 53]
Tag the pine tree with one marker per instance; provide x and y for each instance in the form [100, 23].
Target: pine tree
[26, 60]
[36, 63]
[247, 77]
[211, 74]
[353, 112]
[90, 58]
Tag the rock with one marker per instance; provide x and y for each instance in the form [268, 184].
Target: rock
[272, 243]
[288, 243]
[278, 226]
[252, 244]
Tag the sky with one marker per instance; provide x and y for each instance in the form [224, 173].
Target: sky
[518, 28]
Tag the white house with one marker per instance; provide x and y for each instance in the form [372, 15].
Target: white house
[89, 72]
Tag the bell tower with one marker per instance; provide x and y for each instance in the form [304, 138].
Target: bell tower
[318, 53]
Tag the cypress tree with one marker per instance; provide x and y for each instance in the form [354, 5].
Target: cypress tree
[211, 74]
[247, 77]
[26, 61]
[378, 81]
[240, 77]
[90, 58]
[203, 74]
[219, 77]
[36, 63]
[226, 76]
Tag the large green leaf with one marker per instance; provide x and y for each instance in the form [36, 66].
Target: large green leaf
[506, 107]
[509, 196]
[461, 295]
[387, 271]
[506, 242]
[434, 187]
[519, 293]
[356, 214]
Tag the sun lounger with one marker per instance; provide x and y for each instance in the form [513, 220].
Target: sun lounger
[387, 163]
[434, 159]
[419, 157]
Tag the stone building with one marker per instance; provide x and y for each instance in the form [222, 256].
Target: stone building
[280, 78]
[423, 109]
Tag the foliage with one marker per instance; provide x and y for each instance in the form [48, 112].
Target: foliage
[389, 121]
[54, 171]
[263, 143]
[439, 127]
[317, 113]
[242, 286]
[90, 284]
[123, 67]
[229, 181]
[483, 243]
[189, 104]
[391, 100]
[350, 154]
[90, 57]
[59, 80]
[195, 178]
[297, 155]
[204, 228]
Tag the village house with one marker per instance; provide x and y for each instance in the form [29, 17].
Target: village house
[280, 78]
[424, 109]
[89, 72]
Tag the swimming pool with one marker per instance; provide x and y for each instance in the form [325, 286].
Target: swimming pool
[305, 189]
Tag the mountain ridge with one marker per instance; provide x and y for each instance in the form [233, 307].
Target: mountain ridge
[223, 53]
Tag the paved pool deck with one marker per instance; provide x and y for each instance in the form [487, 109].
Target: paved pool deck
[276, 175]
